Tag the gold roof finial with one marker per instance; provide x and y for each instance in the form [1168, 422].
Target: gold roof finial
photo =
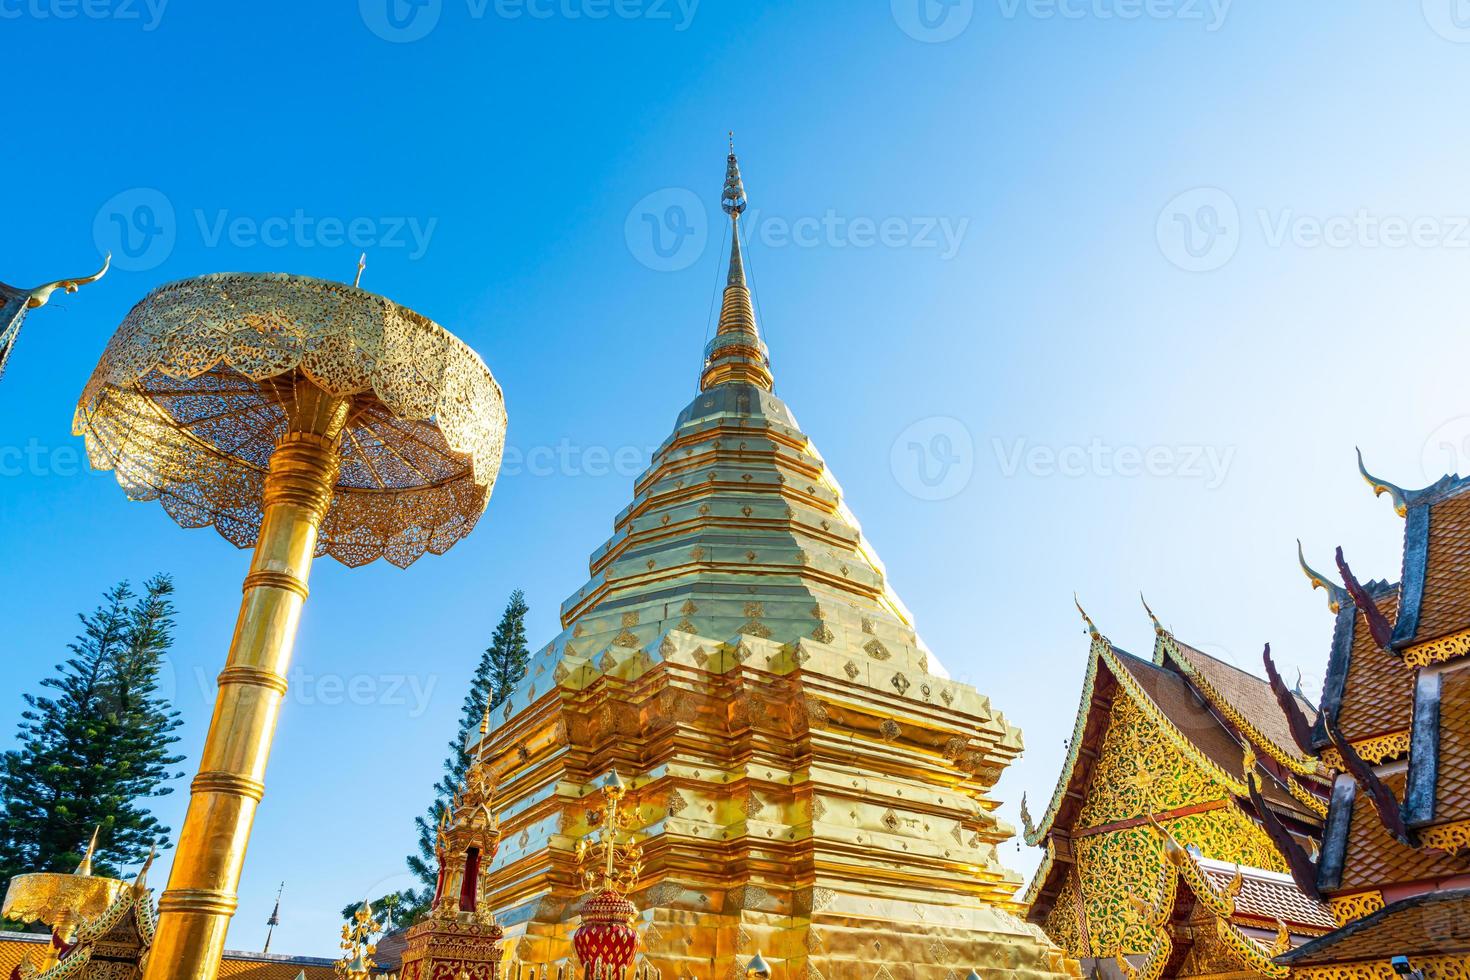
[1398, 495]
[140, 883]
[84, 870]
[361, 264]
[1336, 594]
[1158, 627]
[1091, 628]
[758, 967]
[41, 294]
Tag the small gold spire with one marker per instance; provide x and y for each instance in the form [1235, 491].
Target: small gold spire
[140, 883]
[1398, 495]
[84, 870]
[39, 296]
[361, 264]
[1158, 627]
[1091, 628]
[1336, 594]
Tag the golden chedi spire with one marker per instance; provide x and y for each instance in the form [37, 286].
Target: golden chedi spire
[812, 784]
[737, 352]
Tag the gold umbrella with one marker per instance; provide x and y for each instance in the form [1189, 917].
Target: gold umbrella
[303, 417]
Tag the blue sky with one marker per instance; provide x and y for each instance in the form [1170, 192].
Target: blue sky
[1092, 295]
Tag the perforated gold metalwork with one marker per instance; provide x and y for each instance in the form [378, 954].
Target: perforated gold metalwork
[1438, 651]
[1133, 748]
[1351, 908]
[1450, 837]
[1374, 751]
[199, 383]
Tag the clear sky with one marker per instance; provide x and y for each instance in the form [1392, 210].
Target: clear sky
[1091, 295]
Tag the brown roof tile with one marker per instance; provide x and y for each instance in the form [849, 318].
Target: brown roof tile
[1431, 924]
[1378, 697]
[1250, 695]
[15, 947]
[1267, 895]
[1373, 859]
[1446, 605]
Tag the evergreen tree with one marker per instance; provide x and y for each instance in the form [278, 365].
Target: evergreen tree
[508, 652]
[501, 667]
[89, 755]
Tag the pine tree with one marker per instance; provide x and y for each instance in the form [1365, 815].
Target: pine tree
[501, 667]
[144, 722]
[508, 651]
[90, 754]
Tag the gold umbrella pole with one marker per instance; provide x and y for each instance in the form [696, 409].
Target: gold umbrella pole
[196, 909]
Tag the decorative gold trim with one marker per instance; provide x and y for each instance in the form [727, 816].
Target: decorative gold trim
[1306, 798]
[1438, 651]
[1351, 908]
[1449, 837]
[1374, 751]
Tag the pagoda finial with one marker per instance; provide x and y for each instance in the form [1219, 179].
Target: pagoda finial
[1398, 495]
[274, 920]
[736, 353]
[1336, 594]
[733, 201]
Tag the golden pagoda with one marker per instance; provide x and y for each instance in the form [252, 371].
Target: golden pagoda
[803, 778]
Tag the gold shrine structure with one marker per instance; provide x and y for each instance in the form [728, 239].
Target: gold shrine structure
[804, 779]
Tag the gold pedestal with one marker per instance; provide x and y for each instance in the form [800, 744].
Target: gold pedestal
[195, 911]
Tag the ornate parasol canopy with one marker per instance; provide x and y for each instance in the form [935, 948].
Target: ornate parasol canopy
[205, 375]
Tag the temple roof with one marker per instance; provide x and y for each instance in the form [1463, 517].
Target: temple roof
[1173, 687]
[1266, 896]
[1435, 921]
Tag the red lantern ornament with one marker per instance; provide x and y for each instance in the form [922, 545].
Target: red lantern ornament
[606, 941]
